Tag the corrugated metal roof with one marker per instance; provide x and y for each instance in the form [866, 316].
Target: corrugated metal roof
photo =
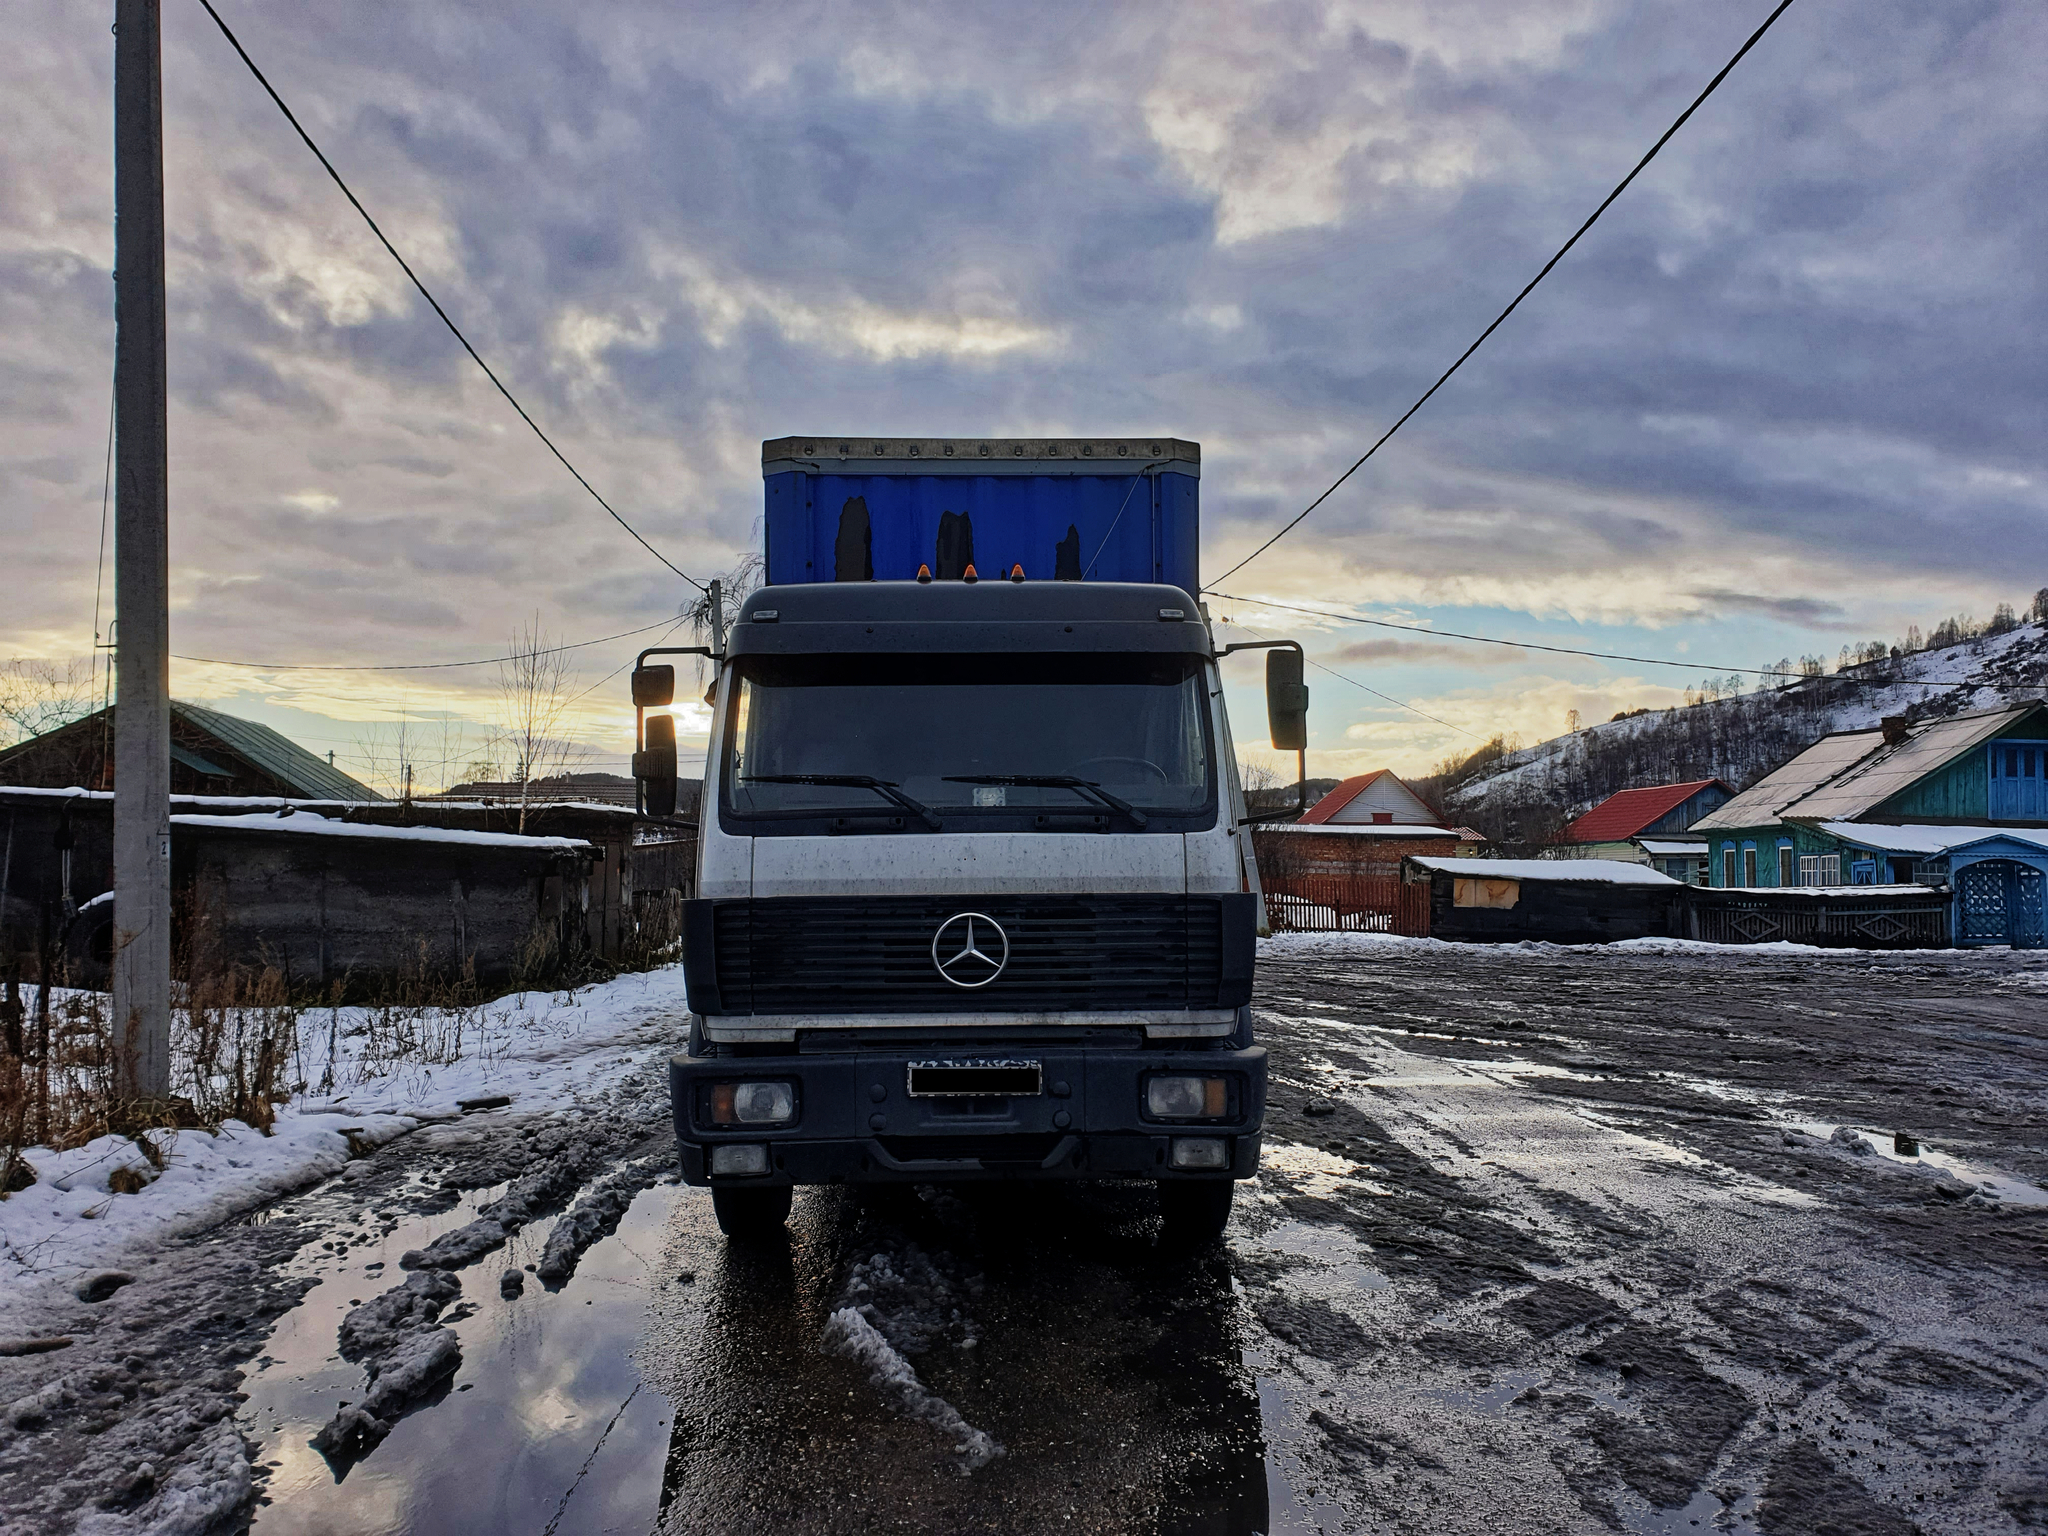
[278, 756]
[1890, 769]
[1844, 775]
[1759, 805]
[1626, 812]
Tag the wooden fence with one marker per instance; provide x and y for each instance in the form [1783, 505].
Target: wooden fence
[1749, 916]
[1347, 903]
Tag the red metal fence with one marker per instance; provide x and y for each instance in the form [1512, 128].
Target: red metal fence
[1347, 903]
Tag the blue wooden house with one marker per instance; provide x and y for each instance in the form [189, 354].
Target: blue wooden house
[1959, 803]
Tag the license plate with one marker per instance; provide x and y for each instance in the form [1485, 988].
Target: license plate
[976, 1079]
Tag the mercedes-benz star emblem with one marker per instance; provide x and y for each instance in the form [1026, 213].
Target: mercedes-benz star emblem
[958, 953]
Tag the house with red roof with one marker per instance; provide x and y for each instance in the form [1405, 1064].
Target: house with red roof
[1370, 821]
[1649, 826]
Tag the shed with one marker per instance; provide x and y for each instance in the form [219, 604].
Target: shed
[1563, 901]
[323, 899]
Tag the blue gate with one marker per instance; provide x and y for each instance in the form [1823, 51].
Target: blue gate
[2001, 903]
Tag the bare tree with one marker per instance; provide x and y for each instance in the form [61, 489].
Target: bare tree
[38, 695]
[411, 754]
[536, 686]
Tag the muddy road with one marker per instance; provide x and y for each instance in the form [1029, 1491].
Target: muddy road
[1545, 1241]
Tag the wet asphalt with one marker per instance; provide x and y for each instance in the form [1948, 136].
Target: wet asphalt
[1545, 1241]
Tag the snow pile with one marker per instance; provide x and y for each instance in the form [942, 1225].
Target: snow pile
[901, 1299]
[851, 1334]
[542, 1050]
[307, 822]
[209, 1487]
[597, 1215]
[398, 1340]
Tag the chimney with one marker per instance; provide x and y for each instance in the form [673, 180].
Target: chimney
[1894, 729]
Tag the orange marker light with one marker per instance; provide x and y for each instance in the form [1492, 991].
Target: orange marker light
[1016, 573]
[924, 574]
[968, 575]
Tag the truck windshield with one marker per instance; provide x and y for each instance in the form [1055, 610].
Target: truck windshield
[1132, 724]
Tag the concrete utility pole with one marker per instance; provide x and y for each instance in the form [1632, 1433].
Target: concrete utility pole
[142, 709]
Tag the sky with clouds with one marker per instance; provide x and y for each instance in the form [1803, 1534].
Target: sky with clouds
[1787, 394]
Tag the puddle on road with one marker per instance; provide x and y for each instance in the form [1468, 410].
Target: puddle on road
[544, 1426]
[2009, 1188]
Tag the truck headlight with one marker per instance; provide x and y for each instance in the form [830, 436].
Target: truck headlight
[1199, 1152]
[752, 1104]
[730, 1162]
[1187, 1098]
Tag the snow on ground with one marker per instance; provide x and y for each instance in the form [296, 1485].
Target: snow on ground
[1301, 945]
[541, 1049]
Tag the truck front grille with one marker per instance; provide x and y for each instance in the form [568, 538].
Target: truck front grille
[855, 955]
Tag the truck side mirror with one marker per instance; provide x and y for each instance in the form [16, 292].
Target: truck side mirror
[1286, 701]
[655, 765]
[654, 687]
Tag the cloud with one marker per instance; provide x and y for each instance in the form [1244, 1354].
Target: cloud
[1810, 611]
[1416, 652]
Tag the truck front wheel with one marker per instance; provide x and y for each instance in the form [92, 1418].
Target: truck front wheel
[750, 1214]
[1195, 1210]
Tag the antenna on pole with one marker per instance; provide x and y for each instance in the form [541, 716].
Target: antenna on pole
[142, 703]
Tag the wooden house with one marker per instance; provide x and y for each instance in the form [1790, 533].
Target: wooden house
[1957, 803]
[1367, 823]
[211, 754]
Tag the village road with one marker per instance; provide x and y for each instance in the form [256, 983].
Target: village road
[1546, 1241]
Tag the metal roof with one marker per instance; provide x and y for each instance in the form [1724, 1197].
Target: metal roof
[283, 759]
[1928, 840]
[1333, 804]
[1627, 811]
[1849, 773]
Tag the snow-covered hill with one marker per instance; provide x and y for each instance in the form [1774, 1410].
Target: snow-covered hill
[1742, 737]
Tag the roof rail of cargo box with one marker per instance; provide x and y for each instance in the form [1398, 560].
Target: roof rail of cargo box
[982, 455]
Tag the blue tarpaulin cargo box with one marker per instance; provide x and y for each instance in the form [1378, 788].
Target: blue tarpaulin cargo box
[875, 509]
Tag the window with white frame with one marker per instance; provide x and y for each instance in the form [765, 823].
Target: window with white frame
[1820, 869]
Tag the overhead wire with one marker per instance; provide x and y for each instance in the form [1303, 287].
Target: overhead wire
[1621, 187]
[417, 666]
[1570, 650]
[453, 329]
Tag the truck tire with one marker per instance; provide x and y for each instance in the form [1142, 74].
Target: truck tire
[750, 1214]
[1195, 1210]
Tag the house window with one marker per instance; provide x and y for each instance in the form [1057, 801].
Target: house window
[1749, 867]
[1820, 869]
[1382, 818]
[2018, 791]
[1785, 864]
[1728, 866]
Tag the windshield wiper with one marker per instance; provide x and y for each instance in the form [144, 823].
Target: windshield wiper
[1086, 787]
[881, 787]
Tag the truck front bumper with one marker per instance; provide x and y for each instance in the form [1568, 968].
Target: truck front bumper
[854, 1120]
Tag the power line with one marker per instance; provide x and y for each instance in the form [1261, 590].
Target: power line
[1621, 187]
[454, 330]
[417, 666]
[1567, 650]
